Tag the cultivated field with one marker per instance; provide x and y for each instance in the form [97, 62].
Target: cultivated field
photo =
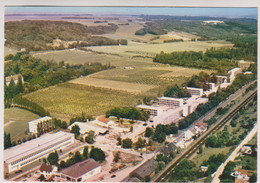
[113, 85]
[66, 100]
[81, 57]
[134, 48]
[16, 122]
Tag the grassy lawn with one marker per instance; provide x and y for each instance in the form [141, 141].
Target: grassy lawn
[66, 100]
[16, 122]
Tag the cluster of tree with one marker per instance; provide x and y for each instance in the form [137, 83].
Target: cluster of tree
[76, 130]
[128, 113]
[213, 163]
[59, 124]
[90, 138]
[229, 168]
[159, 133]
[13, 89]
[223, 138]
[38, 74]
[44, 127]
[177, 92]
[209, 60]
[7, 140]
[151, 28]
[215, 99]
[127, 143]
[185, 172]
[162, 162]
[201, 80]
[95, 153]
[173, 40]
[81, 118]
[36, 34]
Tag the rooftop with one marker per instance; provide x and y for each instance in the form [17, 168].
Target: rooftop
[103, 119]
[19, 151]
[170, 98]
[152, 107]
[14, 77]
[145, 169]
[81, 168]
[45, 118]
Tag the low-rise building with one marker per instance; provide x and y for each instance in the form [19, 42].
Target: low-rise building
[233, 72]
[153, 110]
[242, 175]
[104, 122]
[172, 102]
[23, 154]
[14, 77]
[146, 169]
[47, 170]
[195, 91]
[81, 171]
[44, 124]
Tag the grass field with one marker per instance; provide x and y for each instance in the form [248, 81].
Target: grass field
[16, 122]
[66, 100]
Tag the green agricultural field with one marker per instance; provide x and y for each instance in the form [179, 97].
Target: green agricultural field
[67, 100]
[153, 49]
[16, 122]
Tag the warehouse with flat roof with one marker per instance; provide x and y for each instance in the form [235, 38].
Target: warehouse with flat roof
[21, 155]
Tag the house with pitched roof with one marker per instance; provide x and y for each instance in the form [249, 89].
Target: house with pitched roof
[46, 170]
[81, 171]
[104, 122]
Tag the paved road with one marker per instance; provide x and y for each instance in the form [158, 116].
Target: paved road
[234, 154]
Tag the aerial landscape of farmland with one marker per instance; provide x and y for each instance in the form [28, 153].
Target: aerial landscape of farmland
[136, 97]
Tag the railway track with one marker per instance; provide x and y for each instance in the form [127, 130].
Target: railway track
[170, 168]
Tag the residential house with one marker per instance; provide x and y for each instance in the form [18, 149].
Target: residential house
[47, 170]
[104, 122]
[242, 176]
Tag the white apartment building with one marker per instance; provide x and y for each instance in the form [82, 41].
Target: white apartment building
[195, 91]
[154, 110]
[18, 156]
[45, 122]
[173, 102]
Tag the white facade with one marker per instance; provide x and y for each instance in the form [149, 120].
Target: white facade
[91, 173]
[30, 151]
[33, 125]
[168, 101]
[195, 91]
[154, 110]
[233, 73]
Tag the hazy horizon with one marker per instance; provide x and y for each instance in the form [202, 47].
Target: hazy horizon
[173, 11]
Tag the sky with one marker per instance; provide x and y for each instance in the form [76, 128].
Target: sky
[220, 12]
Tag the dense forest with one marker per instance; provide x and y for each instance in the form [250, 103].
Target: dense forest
[39, 35]
[231, 27]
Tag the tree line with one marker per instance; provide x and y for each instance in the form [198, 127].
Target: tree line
[215, 59]
[128, 113]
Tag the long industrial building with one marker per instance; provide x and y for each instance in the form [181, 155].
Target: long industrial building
[21, 155]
